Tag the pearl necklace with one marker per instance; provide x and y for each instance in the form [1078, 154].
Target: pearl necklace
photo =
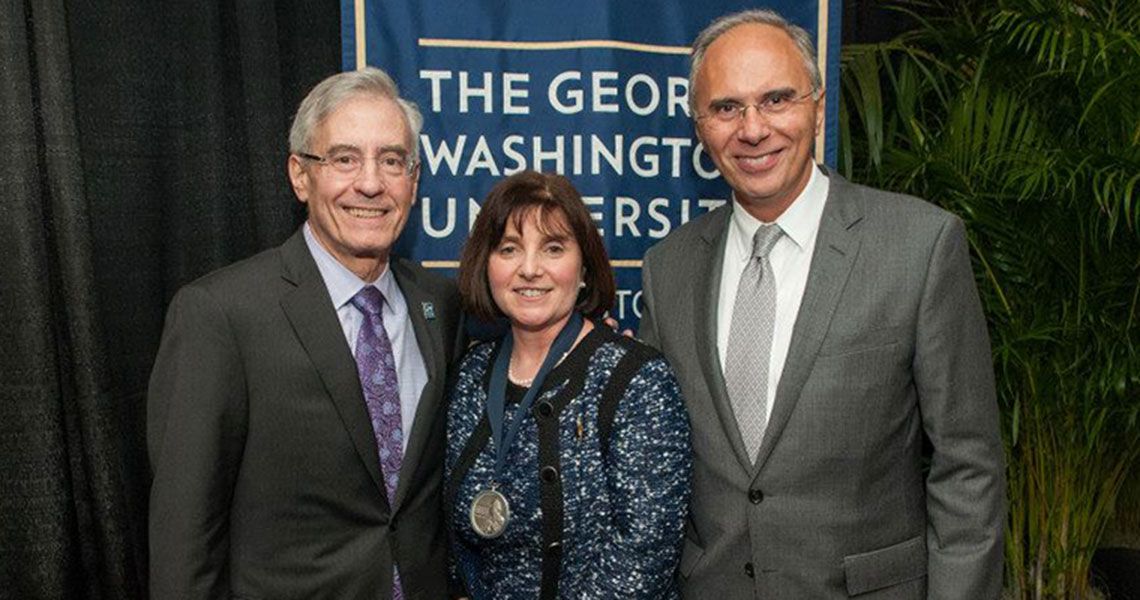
[515, 380]
[526, 382]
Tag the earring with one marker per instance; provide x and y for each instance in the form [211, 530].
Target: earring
[581, 285]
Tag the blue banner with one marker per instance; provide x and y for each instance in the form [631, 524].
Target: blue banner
[592, 89]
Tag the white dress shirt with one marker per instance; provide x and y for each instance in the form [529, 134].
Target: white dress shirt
[342, 285]
[791, 261]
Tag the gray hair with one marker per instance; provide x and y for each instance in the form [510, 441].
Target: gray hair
[335, 90]
[719, 27]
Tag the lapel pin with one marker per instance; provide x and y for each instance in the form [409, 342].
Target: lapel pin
[429, 310]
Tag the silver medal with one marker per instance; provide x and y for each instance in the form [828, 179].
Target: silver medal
[490, 513]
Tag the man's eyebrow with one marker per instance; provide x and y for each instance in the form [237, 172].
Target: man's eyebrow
[339, 148]
[784, 91]
[723, 100]
[780, 91]
[397, 148]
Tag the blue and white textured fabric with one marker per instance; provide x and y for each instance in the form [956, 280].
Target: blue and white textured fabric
[623, 506]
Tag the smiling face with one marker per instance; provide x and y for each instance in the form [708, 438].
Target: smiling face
[357, 218]
[534, 273]
[767, 159]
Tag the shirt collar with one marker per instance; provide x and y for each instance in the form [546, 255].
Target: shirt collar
[800, 221]
[342, 283]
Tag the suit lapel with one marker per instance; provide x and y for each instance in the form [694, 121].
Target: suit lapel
[429, 338]
[706, 294]
[836, 248]
[314, 320]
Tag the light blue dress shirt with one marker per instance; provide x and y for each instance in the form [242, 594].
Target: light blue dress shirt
[342, 285]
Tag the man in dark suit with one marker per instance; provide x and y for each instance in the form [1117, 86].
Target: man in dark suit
[832, 352]
[296, 419]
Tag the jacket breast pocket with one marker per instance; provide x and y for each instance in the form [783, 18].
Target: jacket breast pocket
[885, 567]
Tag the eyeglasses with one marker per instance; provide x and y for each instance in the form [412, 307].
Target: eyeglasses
[729, 112]
[349, 164]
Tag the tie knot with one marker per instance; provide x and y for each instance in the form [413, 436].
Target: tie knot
[764, 239]
[368, 300]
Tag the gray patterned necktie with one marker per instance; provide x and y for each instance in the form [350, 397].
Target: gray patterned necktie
[750, 340]
[376, 366]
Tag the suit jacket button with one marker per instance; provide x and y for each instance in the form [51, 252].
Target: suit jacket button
[544, 409]
[548, 474]
[749, 571]
[755, 496]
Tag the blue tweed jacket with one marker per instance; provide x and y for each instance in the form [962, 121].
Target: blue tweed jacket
[607, 522]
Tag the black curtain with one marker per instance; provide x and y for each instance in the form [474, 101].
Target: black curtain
[145, 145]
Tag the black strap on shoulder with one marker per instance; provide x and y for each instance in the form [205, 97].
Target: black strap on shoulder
[475, 444]
[472, 447]
[550, 497]
[636, 356]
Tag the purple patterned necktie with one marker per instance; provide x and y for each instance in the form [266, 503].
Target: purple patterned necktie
[376, 365]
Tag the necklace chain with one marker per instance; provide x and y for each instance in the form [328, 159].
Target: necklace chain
[526, 382]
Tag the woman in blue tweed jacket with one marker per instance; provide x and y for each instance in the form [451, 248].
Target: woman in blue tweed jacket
[590, 497]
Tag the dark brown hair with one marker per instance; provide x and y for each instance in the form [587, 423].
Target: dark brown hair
[514, 200]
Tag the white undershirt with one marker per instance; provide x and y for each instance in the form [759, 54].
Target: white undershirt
[791, 261]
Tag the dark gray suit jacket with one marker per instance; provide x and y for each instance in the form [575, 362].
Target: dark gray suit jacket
[889, 354]
[267, 482]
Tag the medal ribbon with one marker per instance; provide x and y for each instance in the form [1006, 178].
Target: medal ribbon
[497, 393]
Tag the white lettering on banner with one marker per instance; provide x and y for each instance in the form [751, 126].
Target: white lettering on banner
[650, 157]
[630, 299]
[511, 92]
[513, 88]
[626, 216]
[654, 210]
[574, 95]
[567, 95]
[540, 155]
[472, 212]
[644, 156]
[468, 91]
[449, 222]
[445, 154]
[678, 96]
[676, 144]
[626, 212]
[596, 216]
[699, 166]
[576, 168]
[481, 158]
[509, 149]
[651, 89]
[435, 77]
[601, 92]
[565, 92]
[599, 150]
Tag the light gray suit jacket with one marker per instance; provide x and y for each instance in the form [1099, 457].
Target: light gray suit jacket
[881, 471]
[267, 482]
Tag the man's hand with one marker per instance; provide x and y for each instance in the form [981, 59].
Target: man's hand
[613, 324]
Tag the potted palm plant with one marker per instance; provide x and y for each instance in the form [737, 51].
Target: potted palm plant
[1023, 117]
[1116, 566]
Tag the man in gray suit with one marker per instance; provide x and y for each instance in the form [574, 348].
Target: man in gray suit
[832, 352]
[296, 419]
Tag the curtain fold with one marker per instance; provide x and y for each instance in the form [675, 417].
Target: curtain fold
[46, 501]
[145, 146]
